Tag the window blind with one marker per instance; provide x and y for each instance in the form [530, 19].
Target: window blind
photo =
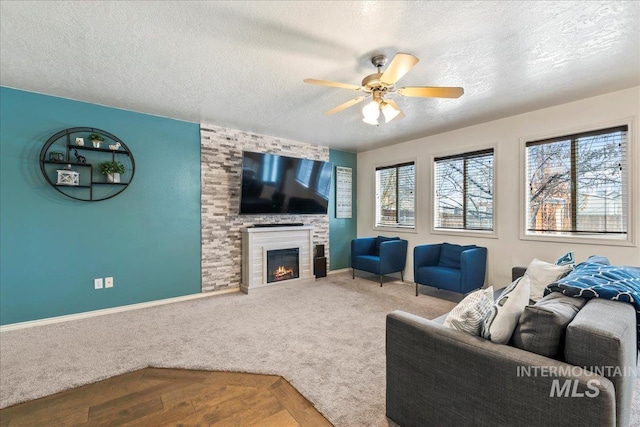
[463, 196]
[578, 183]
[395, 195]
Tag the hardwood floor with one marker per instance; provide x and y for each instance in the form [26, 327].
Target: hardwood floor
[172, 397]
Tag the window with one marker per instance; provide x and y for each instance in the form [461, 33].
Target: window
[303, 174]
[577, 184]
[323, 184]
[395, 195]
[270, 168]
[463, 196]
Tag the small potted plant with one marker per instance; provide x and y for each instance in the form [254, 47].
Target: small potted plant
[56, 156]
[96, 139]
[112, 170]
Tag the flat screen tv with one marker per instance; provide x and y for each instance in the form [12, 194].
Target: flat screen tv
[273, 184]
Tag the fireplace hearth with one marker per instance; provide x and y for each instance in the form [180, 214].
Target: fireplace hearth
[283, 264]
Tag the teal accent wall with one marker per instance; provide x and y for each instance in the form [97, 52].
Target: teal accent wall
[342, 230]
[52, 247]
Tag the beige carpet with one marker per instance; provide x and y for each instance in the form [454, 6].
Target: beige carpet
[326, 338]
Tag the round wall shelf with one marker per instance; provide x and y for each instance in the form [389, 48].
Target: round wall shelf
[70, 162]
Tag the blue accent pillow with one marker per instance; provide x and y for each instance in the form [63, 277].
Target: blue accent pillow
[381, 239]
[566, 259]
[595, 280]
[450, 255]
[599, 259]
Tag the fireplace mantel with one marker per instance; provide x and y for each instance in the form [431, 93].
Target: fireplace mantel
[256, 241]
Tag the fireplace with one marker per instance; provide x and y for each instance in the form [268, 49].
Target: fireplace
[257, 242]
[283, 264]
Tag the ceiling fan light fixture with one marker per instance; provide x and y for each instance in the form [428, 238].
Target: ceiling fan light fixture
[380, 84]
[371, 112]
[370, 121]
[389, 112]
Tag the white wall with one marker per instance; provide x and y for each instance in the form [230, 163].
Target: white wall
[506, 249]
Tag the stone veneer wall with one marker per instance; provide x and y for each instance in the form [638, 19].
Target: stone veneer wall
[221, 158]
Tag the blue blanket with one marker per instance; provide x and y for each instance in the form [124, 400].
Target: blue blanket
[594, 280]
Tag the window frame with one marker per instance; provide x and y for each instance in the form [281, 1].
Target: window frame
[632, 192]
[491, 234]
[396, 228]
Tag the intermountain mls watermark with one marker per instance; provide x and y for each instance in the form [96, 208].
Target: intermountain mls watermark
[563, 386]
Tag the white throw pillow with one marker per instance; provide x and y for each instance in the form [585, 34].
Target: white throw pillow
[541, 274]
[467, 316]
[503, 316]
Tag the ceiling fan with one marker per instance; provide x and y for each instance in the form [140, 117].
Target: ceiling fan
[379, 85]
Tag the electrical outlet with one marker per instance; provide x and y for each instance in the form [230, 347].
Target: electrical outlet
[97, 283]
[108, 282]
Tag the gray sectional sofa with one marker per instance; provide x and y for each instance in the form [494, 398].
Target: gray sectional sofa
[437, 376]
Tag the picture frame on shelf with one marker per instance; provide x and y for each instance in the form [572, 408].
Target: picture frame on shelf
[68, 177]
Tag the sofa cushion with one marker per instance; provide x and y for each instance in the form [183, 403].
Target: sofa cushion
[450, 255]
[370, 263]
[439, 276]
[542, 327]
[603, 336]
[379, 240]
[542, 274]
[502, 318]
[467, 316]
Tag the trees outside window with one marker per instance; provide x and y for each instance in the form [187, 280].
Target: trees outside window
[463, 196]
[395, 195]
[576, 184]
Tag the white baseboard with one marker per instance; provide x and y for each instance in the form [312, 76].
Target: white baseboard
[102, 312]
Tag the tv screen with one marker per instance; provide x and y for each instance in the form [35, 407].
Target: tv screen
[273, 184]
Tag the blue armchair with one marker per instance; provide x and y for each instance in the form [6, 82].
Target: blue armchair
[379, 255]
[452, 267]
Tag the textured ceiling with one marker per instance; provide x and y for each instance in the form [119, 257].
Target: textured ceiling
[241, 64]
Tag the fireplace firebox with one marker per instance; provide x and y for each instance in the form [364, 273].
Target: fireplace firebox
[283, 264]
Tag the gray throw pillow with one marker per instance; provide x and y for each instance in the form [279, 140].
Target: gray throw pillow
[542, 327]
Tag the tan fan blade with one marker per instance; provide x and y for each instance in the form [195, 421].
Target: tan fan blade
[431, 92]
[401, 64]
[395, 106]
[332, 84]
[345, 105]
